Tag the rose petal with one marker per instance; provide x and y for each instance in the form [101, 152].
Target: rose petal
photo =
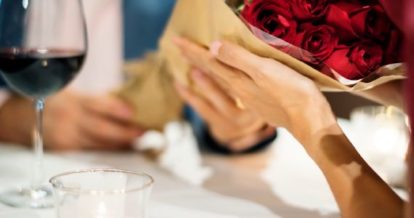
[339, 19]
[319, 40]
[309, 9]
[339, 62]
[273, 17]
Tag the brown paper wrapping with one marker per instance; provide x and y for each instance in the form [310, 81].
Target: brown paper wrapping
[204, 21]
[151, 92]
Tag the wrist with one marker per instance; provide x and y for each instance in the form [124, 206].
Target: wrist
[314, 122]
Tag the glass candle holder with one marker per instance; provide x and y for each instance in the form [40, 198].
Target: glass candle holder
[381, 135]
[102, 193]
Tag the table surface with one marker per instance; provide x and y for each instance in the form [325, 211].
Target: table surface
[301, 189]
[282, 179]
[243, 175]
[235, 176]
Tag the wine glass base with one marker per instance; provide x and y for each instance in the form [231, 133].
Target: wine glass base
[28, 198]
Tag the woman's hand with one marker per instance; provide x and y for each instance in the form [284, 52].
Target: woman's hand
[285, 98]
[280, 95]
[228, 123]
[74, 121]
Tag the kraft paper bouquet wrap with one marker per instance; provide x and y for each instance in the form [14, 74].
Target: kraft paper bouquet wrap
[205, 21]
[150, 91]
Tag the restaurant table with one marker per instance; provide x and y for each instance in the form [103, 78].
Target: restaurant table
[243, 176]
[235, 176]
[238, 177]
[280, 182]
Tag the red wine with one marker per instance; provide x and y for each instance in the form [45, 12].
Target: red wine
[39, 73]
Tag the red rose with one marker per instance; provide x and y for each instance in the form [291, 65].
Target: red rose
[319, 40]
[356, 62]
[340, 63]
[309, 9]
[271, 16]
[352, 20]
[366, 56]
[372, 22]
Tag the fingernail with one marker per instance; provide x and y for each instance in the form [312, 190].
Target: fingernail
[215, 47]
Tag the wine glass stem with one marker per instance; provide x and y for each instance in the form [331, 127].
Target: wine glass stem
[38, 167]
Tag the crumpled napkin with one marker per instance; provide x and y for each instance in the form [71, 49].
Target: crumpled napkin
[179, 151]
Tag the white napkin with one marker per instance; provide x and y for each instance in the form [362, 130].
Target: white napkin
[180, 154]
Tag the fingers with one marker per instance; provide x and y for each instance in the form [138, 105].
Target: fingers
[245, 143]
[76, 121]
[214, 94]
[238, 57]
[91, 142]
[107, 123]
[204, 60]
[109, 106]
[103, 130]
[214, 119]
[196, 54]
[201, 106]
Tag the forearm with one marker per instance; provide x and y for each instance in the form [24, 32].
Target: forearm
[16, 120]
[358, 190]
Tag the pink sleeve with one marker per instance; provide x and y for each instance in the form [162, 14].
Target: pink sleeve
[102, 71]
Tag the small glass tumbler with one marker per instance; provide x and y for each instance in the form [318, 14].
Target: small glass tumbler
[102, 193]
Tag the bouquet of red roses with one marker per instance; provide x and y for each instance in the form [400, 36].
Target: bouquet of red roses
[345, 39]
[342, 45]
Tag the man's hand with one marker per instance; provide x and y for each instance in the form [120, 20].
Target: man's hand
[71, 121]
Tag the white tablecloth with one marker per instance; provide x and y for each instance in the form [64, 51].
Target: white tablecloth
[171, 197]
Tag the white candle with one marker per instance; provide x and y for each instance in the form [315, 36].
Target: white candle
[98, 198]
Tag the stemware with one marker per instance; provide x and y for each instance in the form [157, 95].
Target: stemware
[43, 45]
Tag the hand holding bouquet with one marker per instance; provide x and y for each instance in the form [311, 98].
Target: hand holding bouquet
[341, 45]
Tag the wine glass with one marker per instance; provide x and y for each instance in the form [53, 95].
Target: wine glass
[43, 45]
